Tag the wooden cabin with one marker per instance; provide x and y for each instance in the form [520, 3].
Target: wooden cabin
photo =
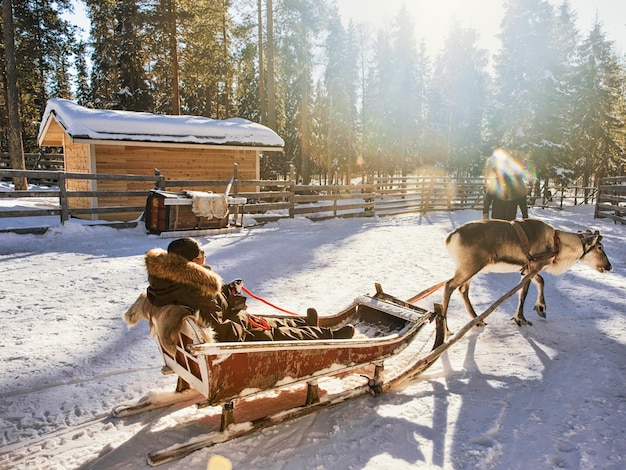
[137, 143]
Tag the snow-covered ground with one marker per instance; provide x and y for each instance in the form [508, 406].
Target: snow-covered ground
[551, 395]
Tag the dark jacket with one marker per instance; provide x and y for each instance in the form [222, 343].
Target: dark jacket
[504, 209]
[175, 280]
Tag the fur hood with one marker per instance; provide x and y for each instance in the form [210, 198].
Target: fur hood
[175, 268]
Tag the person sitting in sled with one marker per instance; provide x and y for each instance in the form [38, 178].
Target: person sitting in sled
[179, 276]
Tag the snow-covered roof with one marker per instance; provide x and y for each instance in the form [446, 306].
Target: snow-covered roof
[85, 124]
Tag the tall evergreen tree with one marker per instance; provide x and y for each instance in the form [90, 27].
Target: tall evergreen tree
[119, 79]
[206, 59]
[336, 101]
[299, 22]
[567, 40]
[376, 114]
[394, 101]
[43, 44]
[14, 128]
[407, 100]
[163, 39]
[528, 117]
[597, 112]
[458, 100]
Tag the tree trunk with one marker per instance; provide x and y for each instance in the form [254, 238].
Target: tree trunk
[16, 148]
[262, 101]
[174, 58]
[305, 148]
[271, 91]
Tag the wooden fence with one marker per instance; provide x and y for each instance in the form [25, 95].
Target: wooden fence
[275, 199]
[36, 161]
[611, 200]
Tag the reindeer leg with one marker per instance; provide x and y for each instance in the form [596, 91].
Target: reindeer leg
[448, 288]
[519, 314]
[540, 306]
[464, 291]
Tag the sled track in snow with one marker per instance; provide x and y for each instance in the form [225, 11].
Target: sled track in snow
[61, 383]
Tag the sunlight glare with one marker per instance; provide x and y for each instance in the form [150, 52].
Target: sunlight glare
[505, 176]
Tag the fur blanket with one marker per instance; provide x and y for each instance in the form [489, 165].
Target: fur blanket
[208, 205]
[165, 322]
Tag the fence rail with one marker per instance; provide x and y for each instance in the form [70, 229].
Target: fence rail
[275, 199]
[611, 200]
[37, 161]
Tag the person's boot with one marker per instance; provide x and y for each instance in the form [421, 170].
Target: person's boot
[345, 332]
[312, 318]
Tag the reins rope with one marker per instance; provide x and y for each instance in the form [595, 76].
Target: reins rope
[260, 299]
[425, 293]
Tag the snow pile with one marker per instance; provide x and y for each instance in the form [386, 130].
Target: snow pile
[550, 395]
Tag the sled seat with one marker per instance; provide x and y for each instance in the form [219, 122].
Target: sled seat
[223, 371]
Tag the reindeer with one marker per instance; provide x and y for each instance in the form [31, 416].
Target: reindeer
[520, 245]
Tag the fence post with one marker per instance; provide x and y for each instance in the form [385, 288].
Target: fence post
[236, 179]
[160, 182]
[293, 189]
[63, 199]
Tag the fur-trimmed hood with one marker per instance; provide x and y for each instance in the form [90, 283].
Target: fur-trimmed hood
[175, 268]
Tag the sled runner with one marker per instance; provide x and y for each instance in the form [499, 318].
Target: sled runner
[223, 373]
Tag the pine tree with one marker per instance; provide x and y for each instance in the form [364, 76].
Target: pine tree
[118, 79]
[457, 102]
[599, 101]
[14, 128]
[206, 60]
[298, 24]
[335, 106]
[43, 44]
[394, 100]
[528, 118]
[376, 113]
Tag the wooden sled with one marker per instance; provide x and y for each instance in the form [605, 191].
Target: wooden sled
[222, 372]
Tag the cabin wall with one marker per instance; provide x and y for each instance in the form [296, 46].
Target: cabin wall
[175, 163]
[79, 159]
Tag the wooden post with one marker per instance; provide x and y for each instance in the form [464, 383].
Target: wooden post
[312, 393]
[160, 182]
[63, 199]
[292, 202]
[228, 415]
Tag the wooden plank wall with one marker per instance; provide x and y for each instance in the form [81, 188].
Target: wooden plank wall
[176, 163]
[77, 160]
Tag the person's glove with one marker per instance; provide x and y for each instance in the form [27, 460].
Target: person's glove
[235, 286]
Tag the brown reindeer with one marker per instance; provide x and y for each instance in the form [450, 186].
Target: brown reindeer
[520, 245]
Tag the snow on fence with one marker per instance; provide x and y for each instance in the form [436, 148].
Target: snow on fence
[611, 200]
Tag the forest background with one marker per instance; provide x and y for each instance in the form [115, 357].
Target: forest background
[347, 99]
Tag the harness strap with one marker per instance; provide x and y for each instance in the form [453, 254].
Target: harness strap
[583, 242]
[521, 233]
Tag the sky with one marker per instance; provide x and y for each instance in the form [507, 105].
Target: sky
[539, 397]
[433, 18]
